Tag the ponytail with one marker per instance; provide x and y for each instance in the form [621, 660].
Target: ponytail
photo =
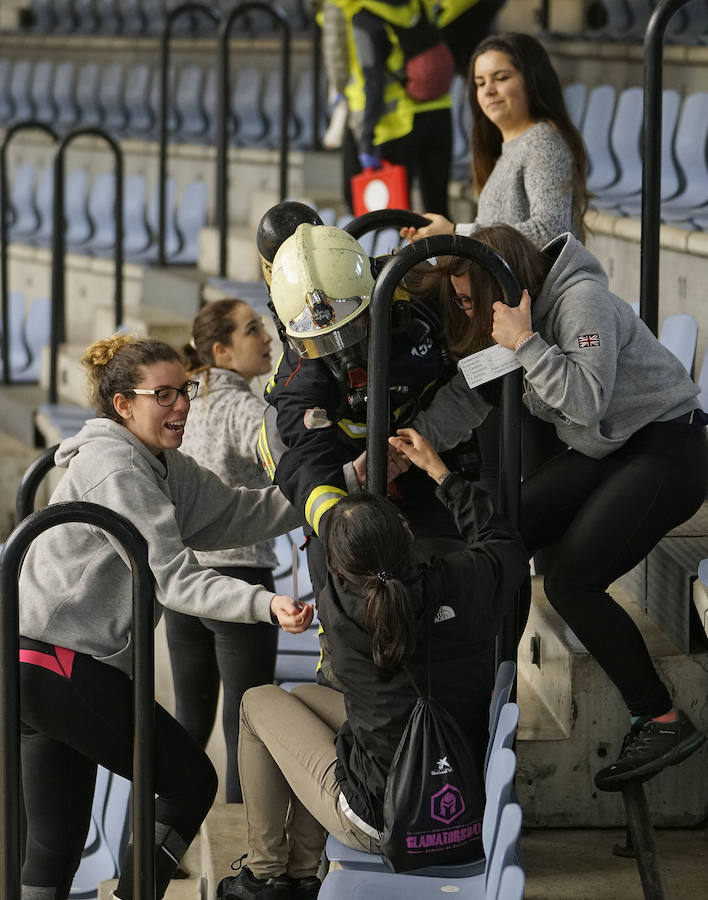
[389, 618]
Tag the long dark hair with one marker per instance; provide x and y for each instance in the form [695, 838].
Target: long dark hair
[213, 324]
[546, 104]
[467, 334]
[368, 545]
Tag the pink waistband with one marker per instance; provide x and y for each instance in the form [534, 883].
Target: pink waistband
[61, 664]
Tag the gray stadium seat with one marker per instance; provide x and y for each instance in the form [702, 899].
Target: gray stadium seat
[272, 105]
[134, 18]
[44, 202]
[18, 354]
[154, 11]
[67, 110]
[64, 16]
[625, 140]
[303, 109]
[36, 335]
[191, 217]
[26, 218]
[596, 134]
[101, 211]
[690, 151]
[247, 102]
[20, 81]
[679, 334]
[172, 119]
[461, 130]
[109, 16]
[173, 242]
[86, 16]
[193, 122]
[42, 15]
[6, 105]
[87, 83]
[41, 91]
[137, 234]
[78, 225]
[111, 98]
[141, 119]
[575, 96]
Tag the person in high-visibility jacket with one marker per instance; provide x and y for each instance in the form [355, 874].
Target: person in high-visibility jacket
[463, 24]
[385, 122]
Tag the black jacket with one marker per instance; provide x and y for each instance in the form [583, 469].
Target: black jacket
[468, 593]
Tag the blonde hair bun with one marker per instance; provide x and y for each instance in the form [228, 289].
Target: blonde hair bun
[100, 353]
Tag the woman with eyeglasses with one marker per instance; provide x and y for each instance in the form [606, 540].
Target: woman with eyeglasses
[230, 347]
[634, 463]
[76, 611]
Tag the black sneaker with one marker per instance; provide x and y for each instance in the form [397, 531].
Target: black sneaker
[246, 885]
[305, 888]
[648, 748]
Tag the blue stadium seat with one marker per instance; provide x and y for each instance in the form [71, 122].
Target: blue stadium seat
[101, 211]
[461, 126]
[154, 11]
[303, 111]
[67, 109]
[503, 684]
[111, 98]
[679, 334]
[134, 18]
[575, 96]
[78, 224]
[511, 883]
[44, 203]
[247, 103]
[625, 141]
[137, 236]
[18, 354]
[64, 17]
[272, 105]
[172, 119]
[210, 102]
[36, 336]
[26, 218]
[702, 399]
[173, 242]
[191, 217]
[141, 119]
[42, 16]
[596, 134]
[87, 83]
[7, 107]
[386, 240]
[86, 16]
[41, 91]
[109, 16]
[690, 151]
[193, 122]
[20, 81]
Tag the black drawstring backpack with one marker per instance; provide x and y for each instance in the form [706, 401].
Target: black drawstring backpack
[434, 799]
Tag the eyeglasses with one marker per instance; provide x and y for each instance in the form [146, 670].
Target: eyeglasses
[167, 396]
[463, 301]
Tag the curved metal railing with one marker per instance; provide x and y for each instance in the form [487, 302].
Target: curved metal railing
[143, 688]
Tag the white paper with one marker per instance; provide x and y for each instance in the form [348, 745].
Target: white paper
[487, 365]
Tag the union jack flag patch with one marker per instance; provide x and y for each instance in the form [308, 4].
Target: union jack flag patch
[588, 340]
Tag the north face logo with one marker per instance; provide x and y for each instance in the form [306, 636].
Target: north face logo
[444, 613]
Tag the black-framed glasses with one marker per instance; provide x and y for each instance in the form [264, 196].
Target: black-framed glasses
[167, 396]
[463, 301]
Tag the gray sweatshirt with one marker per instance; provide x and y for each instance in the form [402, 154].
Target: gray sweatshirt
[592, 368]
[75, 584]
[530, 188]
[221, 434]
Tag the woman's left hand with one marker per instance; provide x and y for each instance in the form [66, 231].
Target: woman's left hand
[291, 618]
[510, 322]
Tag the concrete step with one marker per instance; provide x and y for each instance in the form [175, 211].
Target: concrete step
[568, 691]
[190, 888]
[224, 839]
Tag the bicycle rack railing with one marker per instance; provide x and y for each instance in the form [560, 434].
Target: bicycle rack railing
[183, 9]
[651, 155]
[25, 125]
[143, 689]
[58, 325]
[378, 406]
[222, 176]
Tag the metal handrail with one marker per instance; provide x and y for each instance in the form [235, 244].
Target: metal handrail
[316, 83]
[651, 155]
[143, 688]
[222, 176]
[58, 325]
[215, 16]
[379, 365]
[27, 490]
[24, 125]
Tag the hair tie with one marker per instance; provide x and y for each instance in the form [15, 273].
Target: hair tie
[192, 344]
[384, 576]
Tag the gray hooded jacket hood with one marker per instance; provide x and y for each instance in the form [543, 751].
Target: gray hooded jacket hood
[75, 584]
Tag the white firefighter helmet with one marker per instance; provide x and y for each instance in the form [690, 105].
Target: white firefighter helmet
[321, 285]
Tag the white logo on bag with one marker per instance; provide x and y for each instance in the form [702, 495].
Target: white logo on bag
[444, 767]
[444, 613]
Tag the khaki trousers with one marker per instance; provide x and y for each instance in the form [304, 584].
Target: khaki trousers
[286, 748]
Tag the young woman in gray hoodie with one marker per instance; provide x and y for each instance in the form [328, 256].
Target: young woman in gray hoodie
[76, 610]
[634, 467]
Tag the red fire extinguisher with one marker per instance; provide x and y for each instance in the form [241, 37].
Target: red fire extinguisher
[384, 188]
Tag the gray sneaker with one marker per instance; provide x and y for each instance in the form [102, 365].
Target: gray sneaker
[648, 748]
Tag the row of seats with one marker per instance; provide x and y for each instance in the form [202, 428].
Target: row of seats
[139, 17]
[125, 100]
[611, 126]
[498, 877]
[627, 20]
[28, 333]
[89, 214]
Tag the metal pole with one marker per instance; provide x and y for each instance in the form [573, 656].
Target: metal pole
[651, 154]
[644, 841]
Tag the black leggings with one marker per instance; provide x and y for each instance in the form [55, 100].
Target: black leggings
[71, 724]
[204, 653]
[603, 516]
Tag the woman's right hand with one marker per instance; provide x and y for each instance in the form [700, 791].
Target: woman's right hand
[420, 452]
[291, 618]
[438, 225]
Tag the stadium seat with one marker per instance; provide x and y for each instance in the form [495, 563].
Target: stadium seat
[154, 11]
[690, 151]
[78, 224]
[18, 354]
[172, 239]
[86, 16]
[625, 141]
[20, 81]
[386, 240]
[511, 883]
[141, 118]
[191, 217]
[503, 684]
[6, 105]
[111, 98]
[247, 104]
[67, 110]
[193, 122]
[41, 91]
[303, 111]
[109, 16]
[596, 134]
[461, 125]
[670, 178]
[679, 334]
[44, 202]
[87, 84]
[36, 337]
[101, 211]
[702, 399]
[26, 217]
[64, 17]
[272, 105]
[42, 15]
[575, 96]
[172, 119]
[134, 17]
[137, 236]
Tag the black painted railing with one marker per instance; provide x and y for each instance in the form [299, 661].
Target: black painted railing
[25, 125]
[183, 9]
[222, 177]
[143, 689]
[651, 155]
[27, 490]
[379, 365]
[58, 324]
